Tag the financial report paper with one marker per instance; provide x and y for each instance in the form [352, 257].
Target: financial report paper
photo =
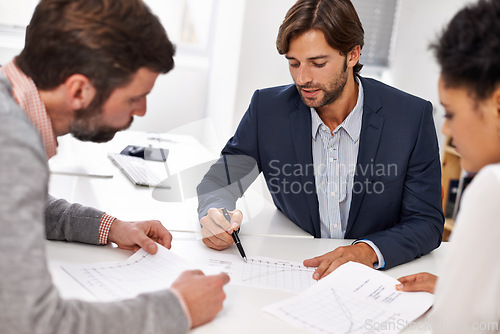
[353, 299]
[143, 272]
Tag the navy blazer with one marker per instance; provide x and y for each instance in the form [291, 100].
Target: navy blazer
[396, 200]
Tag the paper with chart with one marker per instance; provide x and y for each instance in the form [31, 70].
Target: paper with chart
[142, 272]
[353, 299]
[264, 272]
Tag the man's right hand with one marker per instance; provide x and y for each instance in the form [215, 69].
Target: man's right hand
[216, 230]
[202, 294]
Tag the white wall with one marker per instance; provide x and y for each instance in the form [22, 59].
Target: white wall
[224, 73]
[413, 67]
[260, 64]
[17, 13]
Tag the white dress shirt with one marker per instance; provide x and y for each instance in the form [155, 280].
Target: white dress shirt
[334, 157]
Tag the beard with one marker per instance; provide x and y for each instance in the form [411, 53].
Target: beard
[88, 125]
[331, 91]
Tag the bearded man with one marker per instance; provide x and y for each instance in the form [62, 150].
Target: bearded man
[343, 156]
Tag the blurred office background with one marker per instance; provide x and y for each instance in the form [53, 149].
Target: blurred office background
[226, 50]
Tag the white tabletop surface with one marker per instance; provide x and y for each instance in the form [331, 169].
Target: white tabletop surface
[243, 305]
[176, 209]
[265, 231]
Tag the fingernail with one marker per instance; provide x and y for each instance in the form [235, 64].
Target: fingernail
[151, 249]
[234, 226]
[399, 287]
[316, 276]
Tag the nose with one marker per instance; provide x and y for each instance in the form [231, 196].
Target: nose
[445, 129]
[303, 75]
[140, 109]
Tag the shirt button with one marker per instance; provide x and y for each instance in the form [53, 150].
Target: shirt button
[331, 159]
[335, 225]
[331, 149]
[332, 193]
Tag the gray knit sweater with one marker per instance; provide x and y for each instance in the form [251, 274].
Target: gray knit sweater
[29, 302]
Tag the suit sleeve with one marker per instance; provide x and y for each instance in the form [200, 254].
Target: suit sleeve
[236, 169]
[421, 222]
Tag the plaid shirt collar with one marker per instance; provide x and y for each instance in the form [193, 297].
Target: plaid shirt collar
[26, 95]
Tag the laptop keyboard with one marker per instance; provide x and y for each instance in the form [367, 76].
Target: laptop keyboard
[138, 171]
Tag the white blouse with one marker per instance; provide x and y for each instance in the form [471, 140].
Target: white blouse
[468, 288]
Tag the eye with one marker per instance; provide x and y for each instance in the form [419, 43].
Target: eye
[448, 115]
[319, 65]
[294, 65]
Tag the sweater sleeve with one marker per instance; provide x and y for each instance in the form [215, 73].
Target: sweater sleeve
[71, 222]
[29, 302]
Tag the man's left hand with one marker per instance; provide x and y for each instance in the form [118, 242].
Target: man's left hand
[326, 263]
[142, 234]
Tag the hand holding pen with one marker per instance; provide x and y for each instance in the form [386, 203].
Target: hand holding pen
[235, 236]
[216, 229]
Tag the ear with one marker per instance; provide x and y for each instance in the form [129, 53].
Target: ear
[353, 56]
[79, 91]
[496, 100]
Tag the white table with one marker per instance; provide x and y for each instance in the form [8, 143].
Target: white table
[177, 210]
[243, 305]
[265, 231]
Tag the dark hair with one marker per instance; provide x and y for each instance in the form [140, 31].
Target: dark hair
[337, 19]
[105, 40]
[468, 49]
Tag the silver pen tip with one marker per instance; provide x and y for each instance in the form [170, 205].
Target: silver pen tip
[245, 259]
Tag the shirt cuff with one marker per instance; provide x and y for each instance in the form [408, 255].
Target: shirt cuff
[381, 262]
[183, 305]
[104, 228]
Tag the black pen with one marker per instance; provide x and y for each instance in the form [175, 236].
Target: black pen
[235, 236]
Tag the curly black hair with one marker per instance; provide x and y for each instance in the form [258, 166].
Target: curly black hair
[468, 49]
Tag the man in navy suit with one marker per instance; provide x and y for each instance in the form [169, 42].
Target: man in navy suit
[343, 156]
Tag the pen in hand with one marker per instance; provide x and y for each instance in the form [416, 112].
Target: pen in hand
[235, 236]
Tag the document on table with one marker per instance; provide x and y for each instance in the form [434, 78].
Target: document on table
[264, 272]
[142, 272]
[353, 299]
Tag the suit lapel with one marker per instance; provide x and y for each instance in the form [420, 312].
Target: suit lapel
[300, 122]
[371, 130]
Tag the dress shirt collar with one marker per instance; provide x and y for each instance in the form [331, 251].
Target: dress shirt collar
[26, 95]
[316, 123]
[352, 123]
